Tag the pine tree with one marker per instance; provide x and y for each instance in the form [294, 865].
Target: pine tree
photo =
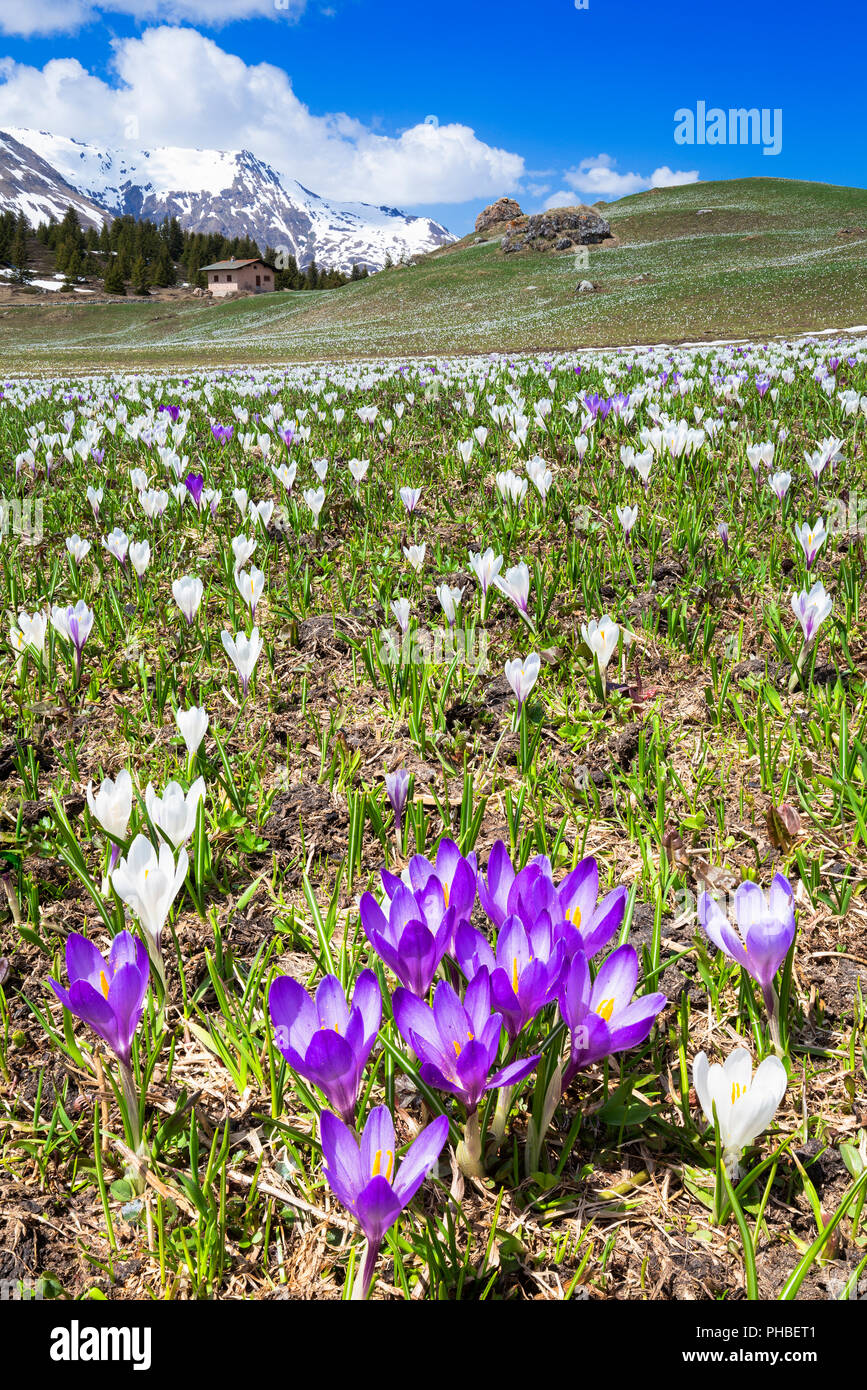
[164, 271]
[113, 283]
[20, 257]
[140, 279]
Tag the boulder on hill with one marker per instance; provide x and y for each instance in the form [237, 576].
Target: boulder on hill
[496, 214]
[559, 229]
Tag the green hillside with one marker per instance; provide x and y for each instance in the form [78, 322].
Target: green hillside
[748, 257]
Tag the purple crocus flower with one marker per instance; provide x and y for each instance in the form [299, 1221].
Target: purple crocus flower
[97, 455]
[414, 937]
[581, 922]
[601, 1015]
[525, 972]
[324, 1040]
[194, 483]
[764, 933]
[451, 875]
[397, 790]
[362, 1175]
[107, 995]
[287, 434]
[457, 1043]
[762, 384]
[172, 410]
[723, 533]
[222, 433]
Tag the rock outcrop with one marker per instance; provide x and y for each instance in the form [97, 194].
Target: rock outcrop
[496, 214]
[560, 229]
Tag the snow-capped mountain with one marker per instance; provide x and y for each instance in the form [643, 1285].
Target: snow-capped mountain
[30, 185]
[231, 192]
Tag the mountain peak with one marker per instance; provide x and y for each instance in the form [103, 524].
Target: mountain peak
[228, 191]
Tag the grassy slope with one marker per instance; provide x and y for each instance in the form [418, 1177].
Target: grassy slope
[766, 260]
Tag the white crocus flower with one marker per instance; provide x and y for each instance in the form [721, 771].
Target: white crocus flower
[811, 609]
[140, 554]
[112, 805]
[262, 511]
[174, 813]
[485, 567]
[522, 674]
[33, 628]
[193, 724]
[627, 516]
[415, 555]
[358, 468]
[117, 544]
[409, 497]
[400, 607]
[315, 499]
[243, 652]
[251, 586]
[601, 638]
[745, 1104]
[94, 497]
[320, 468]
[149, 883]
[188, 591]
[449, 599]
[515, 584]
[242, 549]
[242, 499]
[779, 484]
[285, 475]
[540, 476]
[77, 547]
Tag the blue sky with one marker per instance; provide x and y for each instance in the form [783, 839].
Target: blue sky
[440, 108]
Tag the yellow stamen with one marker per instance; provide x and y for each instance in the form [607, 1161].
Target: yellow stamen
[377, 1164]
[104, 982]
[515, 974]
[576, 920]
[606, 1009]
[737, 1091]
[446, 893]
[457, 1047]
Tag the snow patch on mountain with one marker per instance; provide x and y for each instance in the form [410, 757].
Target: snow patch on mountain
[235, 193]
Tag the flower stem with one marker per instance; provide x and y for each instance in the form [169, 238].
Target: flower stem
[131, 1101]
[469, 1150]
[364, 1278]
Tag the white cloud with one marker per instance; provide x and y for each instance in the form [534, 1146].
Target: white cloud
[28, 17]
[599, 178]
[176, 87]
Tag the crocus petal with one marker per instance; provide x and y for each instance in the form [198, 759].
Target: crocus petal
[605, 922]
[331, 1005]
[378, 1139]
[633, 1025]
[331, 1064]
[342, 1159]
[494, 894]
[415, 1018]
[768, 945]
[83, 960]
[420, 1158]
[377, 1208]
[616, 981]
[367, 1001]
[293, 1013]
[513, 1073]
[753, 1112]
